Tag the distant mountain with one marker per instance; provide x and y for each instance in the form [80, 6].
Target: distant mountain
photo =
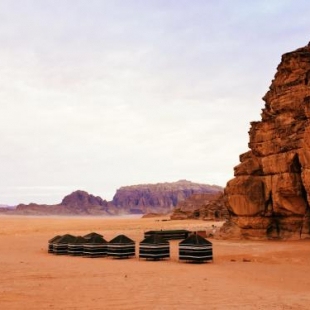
[77, 203]
[136, 199]
[85, 203]
[157, 198]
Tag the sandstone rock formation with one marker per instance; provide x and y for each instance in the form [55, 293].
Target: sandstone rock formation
[270, 194]
[157, 198]
[84, 202]
[202, 206]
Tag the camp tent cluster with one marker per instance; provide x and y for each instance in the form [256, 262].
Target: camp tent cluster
[155, 246]
[90, 245]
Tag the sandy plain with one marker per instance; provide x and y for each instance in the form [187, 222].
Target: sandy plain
[243, 275]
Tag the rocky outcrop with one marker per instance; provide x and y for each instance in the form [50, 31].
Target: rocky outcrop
[83, 202]
[202, 206]
[157, 198]
[269, 196]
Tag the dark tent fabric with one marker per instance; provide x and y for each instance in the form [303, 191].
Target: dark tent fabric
[60, 246]
[154, 247]
[92, 234]
[121, 247]
[96, 246]
[195, 248]
[76, 247]
[51, 241]
[169, 234]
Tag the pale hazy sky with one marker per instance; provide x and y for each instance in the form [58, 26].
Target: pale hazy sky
[98, 94]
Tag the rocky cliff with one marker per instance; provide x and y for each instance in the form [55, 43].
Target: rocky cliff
[202, 206]
[157, 198]
[269, 196]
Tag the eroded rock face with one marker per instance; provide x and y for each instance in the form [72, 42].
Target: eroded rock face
[208, 207]
[270, 194]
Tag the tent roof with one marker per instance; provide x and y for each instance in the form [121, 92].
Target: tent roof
[195, 239]
[154, 239]
[96, 239]
[79, 240]
[54, 239]
[92, 234]
[66, 239]
[121, 239]
[167, 231]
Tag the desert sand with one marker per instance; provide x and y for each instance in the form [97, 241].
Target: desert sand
[243, 275]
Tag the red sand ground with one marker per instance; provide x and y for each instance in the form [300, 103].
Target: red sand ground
[244, 274]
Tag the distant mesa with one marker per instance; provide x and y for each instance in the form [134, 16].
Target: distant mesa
[160, 198]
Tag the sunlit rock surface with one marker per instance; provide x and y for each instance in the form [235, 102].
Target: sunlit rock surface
[269, 196]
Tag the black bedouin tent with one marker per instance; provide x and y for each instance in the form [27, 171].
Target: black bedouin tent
[154, 247]
[96, 246]
[121, 247]
[169, 234]
[60, 246]
[50, 243]
[195, 248]
[76, 247]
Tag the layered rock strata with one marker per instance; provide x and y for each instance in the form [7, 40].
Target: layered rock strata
[270, 194]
